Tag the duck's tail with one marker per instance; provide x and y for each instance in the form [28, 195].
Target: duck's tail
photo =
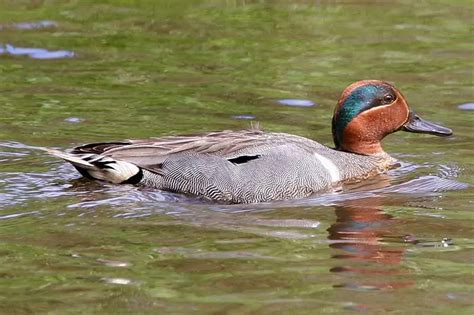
[102, 167]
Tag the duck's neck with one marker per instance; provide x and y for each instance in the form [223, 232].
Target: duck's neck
[362, 147]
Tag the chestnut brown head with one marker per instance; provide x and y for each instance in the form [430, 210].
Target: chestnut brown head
[369, 110]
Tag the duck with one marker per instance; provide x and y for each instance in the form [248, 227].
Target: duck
[254, 166]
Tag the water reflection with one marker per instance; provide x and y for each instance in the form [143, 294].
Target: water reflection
[35, 25]
[358, 237]
[244, 117]
[466, 106]
[43, 24]
[35, 53]
[135, 237]
[296, 102]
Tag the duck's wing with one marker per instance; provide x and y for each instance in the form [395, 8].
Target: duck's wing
[130, 161]
[153, 151]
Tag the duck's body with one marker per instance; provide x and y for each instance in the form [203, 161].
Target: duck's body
[250, 166]
[235, 166]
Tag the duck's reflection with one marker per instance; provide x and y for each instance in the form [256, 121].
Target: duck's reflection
[358, 239]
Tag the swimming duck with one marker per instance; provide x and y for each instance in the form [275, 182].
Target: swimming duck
[250, 166]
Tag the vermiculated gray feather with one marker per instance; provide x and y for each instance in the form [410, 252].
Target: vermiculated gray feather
[280, 166]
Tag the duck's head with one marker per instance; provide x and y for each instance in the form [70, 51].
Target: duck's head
[369, 110]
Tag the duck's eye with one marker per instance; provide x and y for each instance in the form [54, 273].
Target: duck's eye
[388, 98]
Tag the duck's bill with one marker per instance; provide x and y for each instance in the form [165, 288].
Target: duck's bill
[416, 124]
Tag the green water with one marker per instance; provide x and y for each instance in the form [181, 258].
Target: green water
[398, 244]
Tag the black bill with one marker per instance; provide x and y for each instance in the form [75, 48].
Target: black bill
[417, 124]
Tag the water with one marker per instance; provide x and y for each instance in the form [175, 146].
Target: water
[398, 243]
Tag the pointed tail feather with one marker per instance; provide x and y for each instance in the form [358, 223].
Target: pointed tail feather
[72, 158]
[102, 167]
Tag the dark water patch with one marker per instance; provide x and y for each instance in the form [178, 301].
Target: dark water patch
[466, 106]
[444, 243]
[35, 53]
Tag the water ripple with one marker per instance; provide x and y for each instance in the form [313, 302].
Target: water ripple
[31, 25]
[35, 53]
[60, 181]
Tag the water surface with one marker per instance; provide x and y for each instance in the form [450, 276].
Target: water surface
[401, 242]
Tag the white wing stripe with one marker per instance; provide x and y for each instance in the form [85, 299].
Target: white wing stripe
[330, 167]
